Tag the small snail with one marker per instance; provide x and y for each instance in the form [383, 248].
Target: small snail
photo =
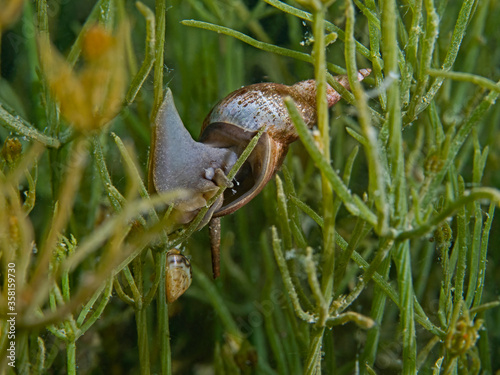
[177, 275]
[179, 162]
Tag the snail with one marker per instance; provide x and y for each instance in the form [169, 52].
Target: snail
[177, 275]
[179, 162]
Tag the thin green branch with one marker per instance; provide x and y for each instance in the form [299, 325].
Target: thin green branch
[283, 213]
[149, 53]
[116, 203]
[353, 203]
[133, 287]
[477, 194]
[451, 55]
[160, 15]
[428, 43]
[466, 77]
[18, 125]
[455, 143]
[307, 210]
[88, 307]
[287, 280]
[96, 312]
[328, 253]
[312, 277]
[351, 316]
[121, 294]
[483, 254]
[258, 44]
[98, 13]
[396, 158]
[309, 17]
[163, 320]
[376, 171]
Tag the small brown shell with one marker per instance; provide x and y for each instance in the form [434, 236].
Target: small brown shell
[178, 275]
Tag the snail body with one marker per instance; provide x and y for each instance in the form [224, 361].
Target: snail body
[179, 162]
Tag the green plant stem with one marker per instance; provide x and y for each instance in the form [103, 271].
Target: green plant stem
[350, 316]
[106, 230]
[451, 55]
[40, 359]
[149, 54]
[258, 44]
[272, 331]
[328, 256]
[376, 59]
[71, 357]
[429, 40]
[163, 321]
[20, 126]
[307, 210]
[463, 248]
[474, 255]
[129, 253]
[310, 266]
[287, 280]
[121, 294]
[60, 219]
[313, 361]
[142, 339]
[493, 195]
[136, 177]
[104, 174]
[402, 260]
[352, 202]
[396, 161]
[482, 260]
[160, 10]
[385, 248]
[97, 311]
[377, 314]
[309, 17]
[293, 209]
[456, 144]
[356, 237]
[376, 171]
[395, 147]
[100, 12]
[466, 77]
[283, 214]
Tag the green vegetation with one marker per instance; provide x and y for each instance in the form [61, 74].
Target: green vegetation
[367, 254]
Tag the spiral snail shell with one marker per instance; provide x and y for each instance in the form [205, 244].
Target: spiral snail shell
[179, 162]
[177, 275]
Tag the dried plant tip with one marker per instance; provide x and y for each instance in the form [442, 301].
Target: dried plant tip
[10, 10]
[11, 150]
[91, 96]
[463, 335]
[97, 42]
[443, 236]
[178, 275]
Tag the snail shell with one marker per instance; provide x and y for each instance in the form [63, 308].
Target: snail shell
[178, 275]
[178, 162]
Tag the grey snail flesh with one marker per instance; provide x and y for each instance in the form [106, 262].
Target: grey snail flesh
[180, 163]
